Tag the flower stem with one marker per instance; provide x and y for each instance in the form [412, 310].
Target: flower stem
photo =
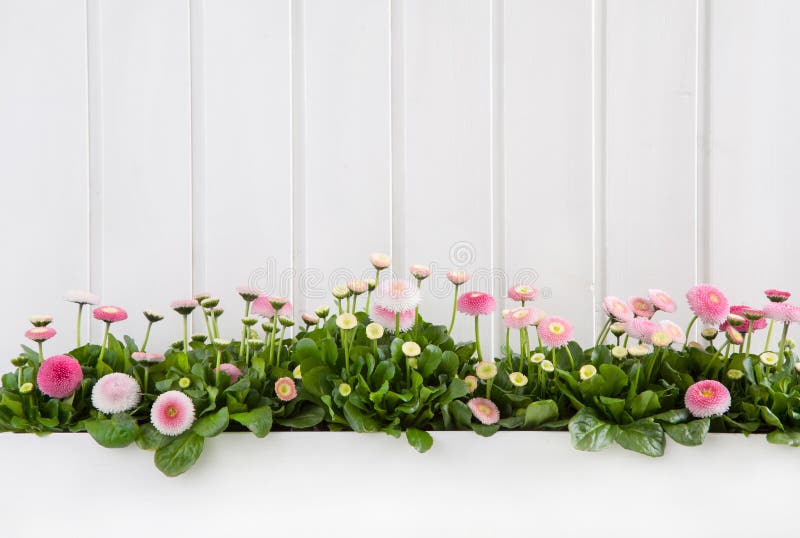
[80, 315]
[208, 325]
[571, 360]
[146, 335]
[244, 328]
[769, 334]
[185, 334]
[749, 336]
[41, 353]
[478, 339]
[397, 324]
[508, 344]
[603, 333]
[345, 338]
[688, 330]
[339, 306]
[353, 308]
[146, 378]
[103, 349]
[280, 346]
[489, 383]
[216, 371]
[272, 338]
[453, 317]
[783, 342]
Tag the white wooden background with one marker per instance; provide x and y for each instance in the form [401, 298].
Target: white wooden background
[154, 148]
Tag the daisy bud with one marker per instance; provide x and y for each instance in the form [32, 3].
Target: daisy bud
[371, 284]
[547, 366]
[200, 297]
[266, 327]
[322, 311]
[420, 272]
[340, 292]
[211, 302]
[357, 286]
[19, 361]
[518, 379]
[249, 321]
[536, 358]
[346, 321]
[753, 314]
[184, 307]
[457, 277]
[735, 320]
[285, 322]
[178, 345]
[696, 345]
[278, 302]
[297, 373]
[199, 338]
[472, 382]
[248, 293]
[777, 296]
[617, 328]
[184, 382]
[619, 352]
[790, 343]
[587, 371]
[411, 349]
[217, 311]
[345, 389]
[221, 342]
[153, 316]
[309, 319]
[255, 343]
[412, 362]
[735, 374]
[734, 336]
[26, 388]
[638, 350]
[380, 261]
[709, 333]
[374, 331]
[768, 358]
[486, 370]
[40, 321]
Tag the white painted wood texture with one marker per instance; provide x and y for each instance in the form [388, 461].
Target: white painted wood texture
[346, 484]
[159, 148]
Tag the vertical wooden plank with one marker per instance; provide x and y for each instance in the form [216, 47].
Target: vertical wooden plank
[347, 139]
[754, 163]
[146, 153]
[548, 134]
[43, 163]
[448, 190]
[247, 131]
[651, 148]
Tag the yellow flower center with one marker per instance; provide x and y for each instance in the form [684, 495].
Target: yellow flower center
[484, 409]
[556, 328]
[713, 297]
[171, 412]
[707, 393]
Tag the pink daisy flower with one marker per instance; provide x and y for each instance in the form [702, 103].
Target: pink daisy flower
[484, 410]
[110, 314]
[172, 413]
[397, 295]
[262, 307]
[641, 328]
[115, 393]
[310, 319]
[617, 309]
[519, 318]
[184, 307]
[141, 356]
[457, 276]
[708, 303]
[777, 296]
[285, 389]
[40, 334]
[476, 303]
[783, 312]
[233, 372]
[734, 336]
[522, 292]
[357, 286]
[740, 310]
[707, 398]
[386, 318]
[641, 307]
[673, 329]
[555, 331]
[420, 272]
[380, 261]
[59, 376]
[661, 300]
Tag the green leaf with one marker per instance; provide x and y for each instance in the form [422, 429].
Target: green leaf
[305, 349]
[178, 456]
[429, 360]
[770, 418]
[673, 416]
[150, 438]
[309, 417]
[615, 378]
[461, 413]
[420, 440]
[456, 389]
[485, 430]
[358, 420]
[588, 432]
[117, 432]
[539, 412]
[258, 421]
[690, 433]
[645, 404]
[213, 424]
[643, 436]
[786, 437]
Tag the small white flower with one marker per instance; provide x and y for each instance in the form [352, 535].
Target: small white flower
[81, 297]
[547, 366]
[639, 350]
[619, 352]
[587, 371]
[411, 349]
[536, 358]
[346, 321]
[518, 379]
[768, 358]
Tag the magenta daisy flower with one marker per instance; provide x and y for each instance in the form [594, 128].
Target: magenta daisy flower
[110, 314]
[519, 318]
[387, 319]
[777, 296]
[661, 300]
[172, 413]
[476, 303]
[59, 376]
[285, 389]
[707, 398]
[232, 370]
[263, 307]
[40, 334]
[522, 292]
[397, 295]
[555, 331]
[115, 393]
[708, 303]
[617, 309]
[744, 311]
[484, 410]
[641, 307]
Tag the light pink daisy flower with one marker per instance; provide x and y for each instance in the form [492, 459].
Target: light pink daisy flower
[707, 398]
[641, 307]
[777, 296]
[110, 314]
[673, 329]
[457, 276]
[231, 369]
[538, 315]
[59, 376]
[81, 297]
[184, 307]
[310, 319]
[248, 293]
[41, 321]
[115, 393]
[40, 334]
[708, 303]
[783, 312]
[397, 295]
[476, 303]
[420, 272]
[617, 309]
[519, 318]
[734, 336]
[357, 286]
[661, 300]
[263, 308]
[472, 383]
[172, 413]
[555, 331]
[741, 310]
[285, 389]
[141, 356]
[380, 261]
[484, 410]
[522, 292]
[386, 318]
